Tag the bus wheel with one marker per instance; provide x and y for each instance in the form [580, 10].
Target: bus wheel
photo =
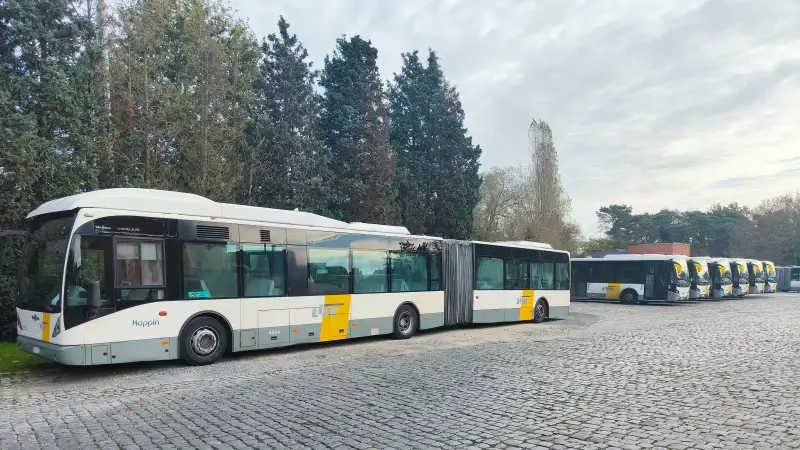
[203, 341]
[539, 311]
[405, 322]
[628, 297]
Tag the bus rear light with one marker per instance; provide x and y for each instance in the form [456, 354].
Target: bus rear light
[19, 322]
[162, 313]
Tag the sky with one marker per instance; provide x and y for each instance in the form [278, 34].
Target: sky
[654, 104]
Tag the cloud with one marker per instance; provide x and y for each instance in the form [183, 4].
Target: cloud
[653, 104]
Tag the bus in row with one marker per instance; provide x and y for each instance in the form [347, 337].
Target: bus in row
[631, 278]
[770, 277]
[123, 275]
[721, 276]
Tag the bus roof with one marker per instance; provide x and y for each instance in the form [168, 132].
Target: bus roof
[180, 203]
[633, 257]
[522, 244]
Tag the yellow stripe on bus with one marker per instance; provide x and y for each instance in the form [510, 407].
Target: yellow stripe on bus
[526, 308]
[336, 318]
[612, 291]
[46, 327]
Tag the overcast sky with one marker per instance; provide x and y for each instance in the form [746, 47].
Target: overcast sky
[654, 104]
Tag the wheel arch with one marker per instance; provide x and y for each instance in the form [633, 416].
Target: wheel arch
[629, 289]
[413, 306]
[214, 315]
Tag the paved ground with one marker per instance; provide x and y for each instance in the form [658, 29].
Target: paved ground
[706, 375]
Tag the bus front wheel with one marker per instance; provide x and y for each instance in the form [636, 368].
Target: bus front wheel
[203, 341]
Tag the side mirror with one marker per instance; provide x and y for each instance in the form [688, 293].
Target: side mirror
[93, 294]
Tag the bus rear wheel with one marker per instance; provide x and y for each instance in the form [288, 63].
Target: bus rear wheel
[628, 297]
[405, 322]
[203, 341]
[539, 311]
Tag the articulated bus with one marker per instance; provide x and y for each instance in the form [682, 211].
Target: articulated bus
[155, 275]
[631, 278]
[770, 277]
[721, 278]
[740, 276]
[755, 271]
[700, 278]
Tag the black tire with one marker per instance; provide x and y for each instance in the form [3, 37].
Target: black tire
[539, 311]
[203, 341]
[628, 297]
[406, 322]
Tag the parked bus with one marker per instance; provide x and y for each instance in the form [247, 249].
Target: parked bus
[755, 269]
[700, 278]
[158, 275]
[721, 277]
[740, 276]
[631, 278]
[770, 277]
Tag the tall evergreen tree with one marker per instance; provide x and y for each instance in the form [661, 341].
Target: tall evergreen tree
[437, 164]
[49, 114]
[355, 127]
[287, 165]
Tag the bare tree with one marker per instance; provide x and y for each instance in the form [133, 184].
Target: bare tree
[500, 198]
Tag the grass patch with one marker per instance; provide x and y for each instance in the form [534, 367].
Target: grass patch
[12, 359]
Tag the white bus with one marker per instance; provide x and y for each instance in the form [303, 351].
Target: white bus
[700, 278]
[721, 279]
[755, 270]
[770, 277]
[740, 276]
[631, 278]
[158, 275]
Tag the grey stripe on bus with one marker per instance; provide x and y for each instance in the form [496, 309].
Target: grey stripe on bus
[558, 312]
[109, 353]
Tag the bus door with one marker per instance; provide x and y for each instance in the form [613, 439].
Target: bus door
[656, 282]
[580, 276]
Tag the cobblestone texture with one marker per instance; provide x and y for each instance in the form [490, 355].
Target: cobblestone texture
[706, 375]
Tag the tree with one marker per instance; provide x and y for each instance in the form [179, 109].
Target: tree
[355, 128]
[182, 76]
[437, 165]
[772, 232]
[547, 205]
[498, 204]
[51, 112]
[288, 165]
[709, 232]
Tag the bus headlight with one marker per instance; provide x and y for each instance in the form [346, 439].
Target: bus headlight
[57, 328]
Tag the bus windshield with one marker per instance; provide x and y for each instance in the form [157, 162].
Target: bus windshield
[724, 272]
[43, 259]
[770, 272]
[702, 276]
[681, 271]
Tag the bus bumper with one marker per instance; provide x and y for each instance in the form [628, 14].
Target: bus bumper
[73, 355]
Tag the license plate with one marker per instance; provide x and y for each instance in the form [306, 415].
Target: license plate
[36, 350]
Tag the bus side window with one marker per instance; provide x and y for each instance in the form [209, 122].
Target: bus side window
[562, 276]
[210, 271]
[140, 271]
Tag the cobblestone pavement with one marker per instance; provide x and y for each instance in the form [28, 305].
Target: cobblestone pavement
[705, 375]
